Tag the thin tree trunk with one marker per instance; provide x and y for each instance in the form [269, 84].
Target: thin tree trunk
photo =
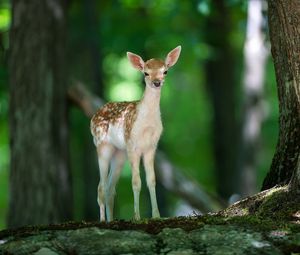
[40, 189]
[221, 84]
[255, 54]
[89, 46]
[94, 45]
[284, 17]
[91, 210]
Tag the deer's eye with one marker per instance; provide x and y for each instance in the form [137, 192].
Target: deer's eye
[146, 74]
[165, 72]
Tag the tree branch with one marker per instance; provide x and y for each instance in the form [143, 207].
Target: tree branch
[86, 101]
[171, 177]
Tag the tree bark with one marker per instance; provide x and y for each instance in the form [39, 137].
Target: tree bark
[40, 190]
[284, 22]
[295, 182]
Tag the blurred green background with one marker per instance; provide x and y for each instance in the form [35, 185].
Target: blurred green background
[99, 34]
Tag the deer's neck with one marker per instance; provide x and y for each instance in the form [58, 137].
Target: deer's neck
[150, 101]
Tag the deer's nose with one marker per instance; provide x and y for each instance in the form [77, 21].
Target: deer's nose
[157, 83]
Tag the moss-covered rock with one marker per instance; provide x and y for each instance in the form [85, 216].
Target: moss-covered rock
[211, 234]
[267, 223]
[277, 204]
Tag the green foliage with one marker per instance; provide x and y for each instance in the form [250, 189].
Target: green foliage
[5, 16]
[123, 80]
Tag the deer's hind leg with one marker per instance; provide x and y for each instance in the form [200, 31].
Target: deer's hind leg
[105, 152]
[117, 164]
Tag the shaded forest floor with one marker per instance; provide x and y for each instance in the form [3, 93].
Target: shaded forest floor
[267, 223]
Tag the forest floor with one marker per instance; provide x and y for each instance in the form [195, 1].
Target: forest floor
[236, 230]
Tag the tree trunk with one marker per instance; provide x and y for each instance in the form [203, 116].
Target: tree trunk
[281, 202]
[220, 77]
[40, 189]
[284, 22]
[255, 55]
[91, 177]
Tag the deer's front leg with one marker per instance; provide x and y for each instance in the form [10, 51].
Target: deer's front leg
[134, 159]
[151, 182]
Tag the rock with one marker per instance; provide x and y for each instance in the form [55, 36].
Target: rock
[159, 237]
[94, 241]
[45, 251]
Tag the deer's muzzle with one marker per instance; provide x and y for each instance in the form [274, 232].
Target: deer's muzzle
[157, 83]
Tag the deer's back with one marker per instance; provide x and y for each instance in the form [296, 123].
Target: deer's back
[113, 123]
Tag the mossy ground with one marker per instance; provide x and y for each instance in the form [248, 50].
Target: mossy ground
[271, 216]
[277, 204]
[151, 226]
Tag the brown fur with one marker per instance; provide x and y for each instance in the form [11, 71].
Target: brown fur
[154, 63]
[112, 113]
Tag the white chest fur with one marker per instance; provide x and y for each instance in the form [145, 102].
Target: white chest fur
[147, 128]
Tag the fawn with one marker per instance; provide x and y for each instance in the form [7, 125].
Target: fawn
[132, 129]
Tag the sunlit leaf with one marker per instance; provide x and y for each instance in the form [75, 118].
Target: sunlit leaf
[4, 18]
[204, 7]
[125, 91]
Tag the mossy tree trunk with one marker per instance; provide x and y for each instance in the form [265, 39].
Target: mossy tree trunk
[284, 22]
[40, 190]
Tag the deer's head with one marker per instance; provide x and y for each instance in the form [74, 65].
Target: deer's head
[154, 70]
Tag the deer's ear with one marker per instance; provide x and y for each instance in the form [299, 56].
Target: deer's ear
[136, 61]
[173, 56]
